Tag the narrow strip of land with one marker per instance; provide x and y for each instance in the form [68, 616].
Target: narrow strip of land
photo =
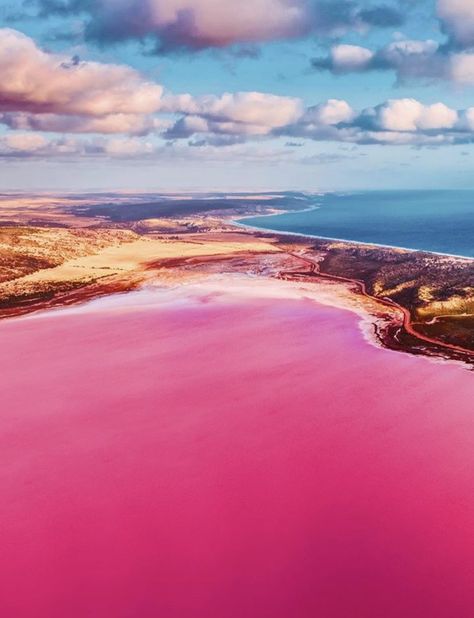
[315, 270]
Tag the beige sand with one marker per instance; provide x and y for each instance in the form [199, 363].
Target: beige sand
[131, 256]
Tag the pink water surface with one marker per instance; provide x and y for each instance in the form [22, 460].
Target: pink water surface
[232, 459]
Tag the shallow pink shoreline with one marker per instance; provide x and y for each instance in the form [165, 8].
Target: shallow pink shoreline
[230, 459]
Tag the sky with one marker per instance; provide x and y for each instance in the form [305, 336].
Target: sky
[247, 95]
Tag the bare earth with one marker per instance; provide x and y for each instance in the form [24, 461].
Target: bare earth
[60, 250]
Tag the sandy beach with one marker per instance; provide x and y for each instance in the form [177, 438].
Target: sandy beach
[239, 441]
[90, 246]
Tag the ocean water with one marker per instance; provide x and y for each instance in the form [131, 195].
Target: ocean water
[438, 221]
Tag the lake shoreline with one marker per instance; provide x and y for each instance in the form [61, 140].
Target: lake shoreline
[402, 287]
[131, 434]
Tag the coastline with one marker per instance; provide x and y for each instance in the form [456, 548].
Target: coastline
[238, 223]
[390, 283]
[381, 320]
[406, 322]
[330, 292]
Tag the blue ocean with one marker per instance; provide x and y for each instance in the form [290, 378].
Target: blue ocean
[437, 221]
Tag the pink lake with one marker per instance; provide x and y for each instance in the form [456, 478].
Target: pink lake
[230, 458]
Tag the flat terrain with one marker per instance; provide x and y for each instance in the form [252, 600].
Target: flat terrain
[60, 250]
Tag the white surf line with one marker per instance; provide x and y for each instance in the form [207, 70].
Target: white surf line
[238, 222]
